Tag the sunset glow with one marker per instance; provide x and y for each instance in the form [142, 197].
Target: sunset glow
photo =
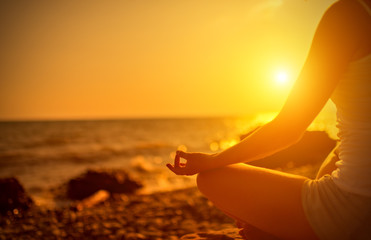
[146, 58]
[282, 78]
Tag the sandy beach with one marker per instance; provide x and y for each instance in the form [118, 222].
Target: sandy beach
[166, 215]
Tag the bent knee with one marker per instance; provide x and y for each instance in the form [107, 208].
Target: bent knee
[208, 180]
[202, 180]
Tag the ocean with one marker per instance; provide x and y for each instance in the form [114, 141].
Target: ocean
[46, 154]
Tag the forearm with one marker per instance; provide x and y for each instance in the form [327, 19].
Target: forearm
[265, 141]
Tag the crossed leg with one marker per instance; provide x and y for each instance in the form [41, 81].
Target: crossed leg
[265, 199]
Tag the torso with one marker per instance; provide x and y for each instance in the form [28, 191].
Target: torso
[352, 98]
[365, 46]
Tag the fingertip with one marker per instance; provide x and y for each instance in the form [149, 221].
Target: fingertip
[169, 166]
[180, 153]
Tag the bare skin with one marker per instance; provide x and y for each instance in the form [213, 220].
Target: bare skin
[270, 201]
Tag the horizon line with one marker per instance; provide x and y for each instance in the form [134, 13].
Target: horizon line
[117, 118]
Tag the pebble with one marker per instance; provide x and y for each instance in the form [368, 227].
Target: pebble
[225, 234]
[128, 217]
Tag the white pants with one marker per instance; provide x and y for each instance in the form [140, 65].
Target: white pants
[334, 213]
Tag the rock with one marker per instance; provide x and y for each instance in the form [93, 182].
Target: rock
[113, 181]
[225, 234]
[13, 197]
[98, 197]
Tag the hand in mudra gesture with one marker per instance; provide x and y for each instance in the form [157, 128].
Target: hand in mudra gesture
[195, 163]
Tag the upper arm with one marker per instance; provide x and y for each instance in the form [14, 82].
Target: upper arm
[334, 44]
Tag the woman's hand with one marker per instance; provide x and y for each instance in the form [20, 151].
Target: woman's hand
[195, 163]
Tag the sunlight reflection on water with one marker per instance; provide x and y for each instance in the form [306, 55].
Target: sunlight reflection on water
[43, 155]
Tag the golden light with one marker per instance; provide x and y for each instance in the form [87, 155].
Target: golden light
[281, 78]
[214, 146]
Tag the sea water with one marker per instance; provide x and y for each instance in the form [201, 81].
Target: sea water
[46, 154]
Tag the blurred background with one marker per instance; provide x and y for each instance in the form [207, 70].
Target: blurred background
[135, 59]
[126, 83]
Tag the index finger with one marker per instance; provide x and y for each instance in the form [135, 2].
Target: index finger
[177, 171]
[177, 161]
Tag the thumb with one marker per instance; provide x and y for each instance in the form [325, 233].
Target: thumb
[182, 154]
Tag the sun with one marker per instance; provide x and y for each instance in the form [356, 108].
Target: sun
[281, 77]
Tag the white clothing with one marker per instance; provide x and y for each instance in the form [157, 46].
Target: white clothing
[352, 98]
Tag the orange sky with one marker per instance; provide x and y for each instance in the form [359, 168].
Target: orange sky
[163, 58]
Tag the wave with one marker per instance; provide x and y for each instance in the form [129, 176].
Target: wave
[81, 155]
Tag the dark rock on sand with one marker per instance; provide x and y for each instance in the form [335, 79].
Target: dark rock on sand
[13, 198]
[113, 181]
[225, 234]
